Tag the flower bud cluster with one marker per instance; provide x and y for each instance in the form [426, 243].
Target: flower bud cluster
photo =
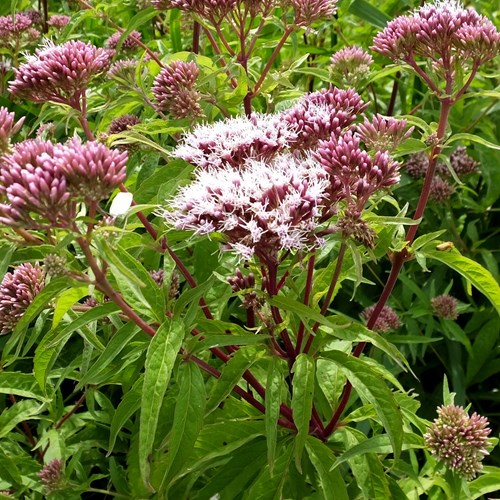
[130, 42]
[59, 73]
[383, 134]
[16, 30]
[58, 21]
[51, 476]
[459, 440]
[213, 10]
[350, 66]
[40, 181]
[174, 90]
[308, 11]
[445, 306]
[17, 291]
[387, 320]
[239, 282]
[8, 127]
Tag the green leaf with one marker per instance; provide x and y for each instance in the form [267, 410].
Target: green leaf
[369, 385]
[160, 360]
[368, 12]
[331, 481]
[488, 482]
[20, 384]
[118, 342]
[21, 411]
[129, 404]
[6, 251]
[66, 300]
[232, 373]
[9, 471]
[473, 272]
[274, 397]
[188, 417]
[174, 28]
[302, 401]
[473, 138]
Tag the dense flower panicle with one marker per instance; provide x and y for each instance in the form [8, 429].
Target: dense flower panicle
[92, 170]
[318, 115]
[354, 174]
[59, 73]
[261, 209]
[350, 66]
[462, 163]
[459, 440]
[383, 133]
[441, 190]
[58, 21]
[308, 11]
[123, 123]
[35, 16]
[388, 319]
[130, 42]
[210, 9]
[444, 31]
[8, 127]
[445, 306]
[17, 291]
[51, 476]
[14, 25]
[124, 69]
[416, 165]
[232, 141]
[33, 187]
[174, 90]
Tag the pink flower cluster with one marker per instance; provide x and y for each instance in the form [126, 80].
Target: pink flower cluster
[350, 66]
[388, 319]
[59, 73]
[40, 182]
[128, 43]
[17, 291]
[459, 440]
[8, 127]
[308, 11]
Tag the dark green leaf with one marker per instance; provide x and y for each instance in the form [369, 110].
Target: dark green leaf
[368, 12]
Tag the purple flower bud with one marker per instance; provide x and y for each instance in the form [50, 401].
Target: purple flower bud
[350, 66]
[8, 128]
[383, 134]
[51, 476]
[17, 291]
[445, 306]
[459, 440]
[123, 123]
[129, 43]
[59, 73]
[92, 170]
[462, 163]
[387, 320]
[352, 226]
[58, 21]
[441, 190]
[123, 70]
[308, 11]
[35, 16]
[213, 10]
[416, 165]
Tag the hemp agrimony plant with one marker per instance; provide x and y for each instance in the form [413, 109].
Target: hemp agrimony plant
[202, 231]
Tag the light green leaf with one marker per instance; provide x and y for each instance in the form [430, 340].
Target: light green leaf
[371, 387]
[488, 482]
[21, 411]
[474, 138]
[232, 373]
[368, 12]
[160, 360]
[473, 272]
[331, 481]
[66, 300]
[302, 401]
[20, 384]
[9, 471]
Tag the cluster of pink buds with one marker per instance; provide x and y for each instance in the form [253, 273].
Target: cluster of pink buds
[8, 127]
[445, 306]
[387, 320]
[459, 440]
[17, 30]
[17, 291]
[213, 10]
[308, 11]
[51, 476]
[130, 42]
[58, 21]
[59, 73]
[174, 90]
[350, 66]
[383, 134]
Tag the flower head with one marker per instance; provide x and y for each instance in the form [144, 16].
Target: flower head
[387, 320]
[34, 187]
[232, 141]
[462, 163]
[213, 10]
[59, 73]
[130, 42]
[8, 127]
[383, 134]
[441, 190]
[92, 170]
[123, 123]
[14, 29]
[445, 306]
[416, 165]
[350, 66]
[308, 11]
[58, 21]
[459, 440]
[175, 91]
[351, 225]
[261, 209]
[17, 291]
[123, 70]
[318, 115]
[51, 476]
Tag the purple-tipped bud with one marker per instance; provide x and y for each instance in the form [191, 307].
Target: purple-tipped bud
[123, 123]
[459, 440]
[387, 320]
[92, 170]
[416, 165]
[174, 90]
[318, 115]
[158, 276]
[441, 190]
[34, 187]
[462, 163]
[58, 21]
[213, 10]
[308, 11]
[445, 306]
[35, 16]
[59, 73]
[51, 476]
[129, 43]
[123, 70]
[17, 291]
[8, 127]
[383, 134]
[350, 66]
